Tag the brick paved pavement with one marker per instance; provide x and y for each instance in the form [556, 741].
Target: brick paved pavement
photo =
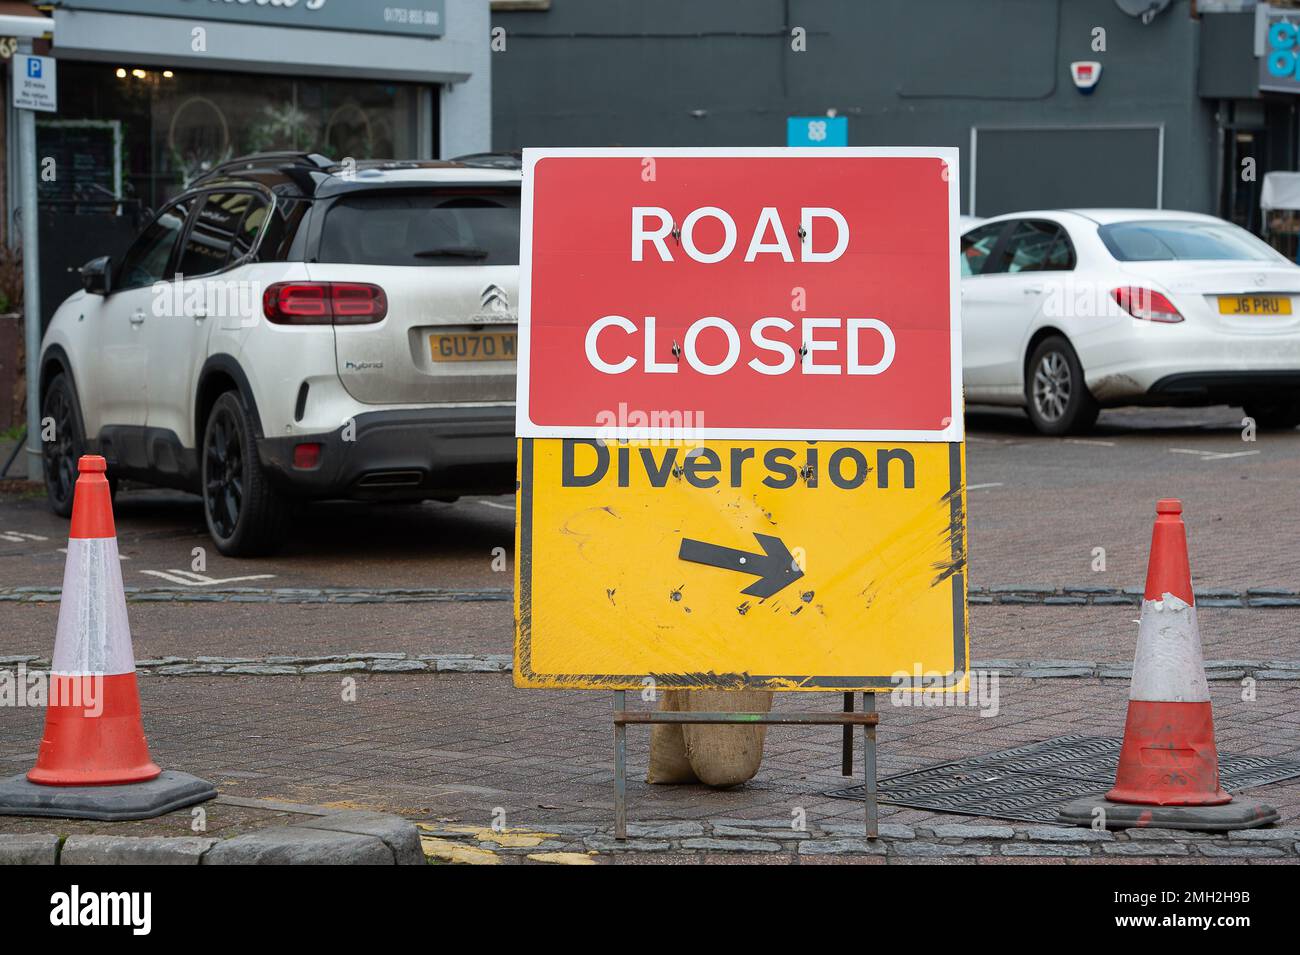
[458, 746]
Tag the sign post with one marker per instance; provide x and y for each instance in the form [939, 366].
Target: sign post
[740, 428]
[34, 86]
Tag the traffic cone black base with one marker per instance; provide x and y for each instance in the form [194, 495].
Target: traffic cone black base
[1241, 813]
[164, 793]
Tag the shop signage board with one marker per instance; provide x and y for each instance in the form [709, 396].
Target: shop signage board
[1279, 66]
[740, 459]
[410, 17]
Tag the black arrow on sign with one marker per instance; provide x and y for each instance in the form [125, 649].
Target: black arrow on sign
[775, 567]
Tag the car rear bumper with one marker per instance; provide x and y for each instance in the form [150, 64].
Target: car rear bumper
[1147, 363]
[1225, 386]
[403, 454]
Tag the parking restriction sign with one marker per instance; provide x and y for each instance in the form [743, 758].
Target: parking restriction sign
[34, 82]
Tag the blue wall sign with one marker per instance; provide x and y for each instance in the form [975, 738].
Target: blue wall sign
[817, 131]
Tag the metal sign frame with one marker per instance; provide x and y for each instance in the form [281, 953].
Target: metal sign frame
[952, 571]
[868, 719]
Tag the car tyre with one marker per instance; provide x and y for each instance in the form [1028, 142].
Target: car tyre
[246, 516]
[61, 455]
[1275, 414]
[1057, 398]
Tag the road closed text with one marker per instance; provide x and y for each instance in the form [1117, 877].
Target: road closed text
[817, 346]
[820, 346]
[769, 235]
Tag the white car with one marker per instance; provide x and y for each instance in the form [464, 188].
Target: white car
[289, 328]
[1065, 312]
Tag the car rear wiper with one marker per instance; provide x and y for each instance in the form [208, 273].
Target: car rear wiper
[462, 251]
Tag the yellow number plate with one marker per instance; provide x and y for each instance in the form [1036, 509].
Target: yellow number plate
[488, 346]
[1254, 305]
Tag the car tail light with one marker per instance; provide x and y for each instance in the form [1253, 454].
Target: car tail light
[356, 303]
[1146, 304]
[324, 303]
[306, 456]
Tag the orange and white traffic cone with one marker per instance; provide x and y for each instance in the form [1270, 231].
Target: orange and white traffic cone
[1169, 757]
[93, 733]
[93, 760]
[1168, 773]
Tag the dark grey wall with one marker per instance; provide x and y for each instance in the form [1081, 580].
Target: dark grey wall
[1225, 72]
[904, 72]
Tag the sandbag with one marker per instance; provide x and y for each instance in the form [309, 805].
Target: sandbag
[668, 762]
[715, 755]
[710, 754]
[725, 755]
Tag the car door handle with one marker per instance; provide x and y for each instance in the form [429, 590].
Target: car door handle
[137, 317]
[1033, 289]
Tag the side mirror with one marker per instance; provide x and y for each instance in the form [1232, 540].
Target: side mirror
[97, 275]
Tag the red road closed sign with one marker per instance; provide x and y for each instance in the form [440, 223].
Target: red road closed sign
[764, 293]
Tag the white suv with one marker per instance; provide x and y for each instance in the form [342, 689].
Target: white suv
[291, 328]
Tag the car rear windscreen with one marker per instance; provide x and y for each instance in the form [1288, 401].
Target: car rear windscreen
[1163, 240]
[448, 227]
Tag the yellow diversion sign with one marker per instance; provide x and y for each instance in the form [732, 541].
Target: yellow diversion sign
[782, 565]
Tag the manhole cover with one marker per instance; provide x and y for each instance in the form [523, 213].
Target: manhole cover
[1031, 783]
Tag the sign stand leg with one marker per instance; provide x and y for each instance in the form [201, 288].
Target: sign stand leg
[620, 769]
[846, 761]
[869, 767]
[866, 719]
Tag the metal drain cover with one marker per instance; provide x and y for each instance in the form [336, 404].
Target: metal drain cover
[1031, 783]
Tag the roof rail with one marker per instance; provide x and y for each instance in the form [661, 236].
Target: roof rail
[265, 160]
[492, 160]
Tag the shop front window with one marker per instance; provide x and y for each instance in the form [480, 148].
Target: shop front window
[143, 135]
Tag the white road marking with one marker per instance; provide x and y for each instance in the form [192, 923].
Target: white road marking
[190, 579]
[976, 487]
[1212, 455]
[1095, 441]
[1226, 454]
[20, 537]
[504, 507]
